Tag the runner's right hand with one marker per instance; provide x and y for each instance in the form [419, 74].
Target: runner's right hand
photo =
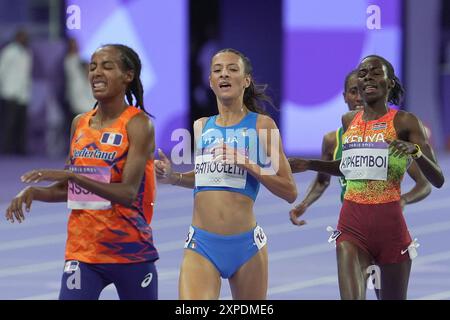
[15, 209]
[163, 168]
[296, 212]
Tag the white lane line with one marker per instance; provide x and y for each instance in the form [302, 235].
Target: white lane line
[431, 258]
[33, 242]
[430, 228]
[300, 252]
[444, 295]
[170, 246]
[302, 285]
[31, 268]
[167, 274]
[37, 222]
[46, 296]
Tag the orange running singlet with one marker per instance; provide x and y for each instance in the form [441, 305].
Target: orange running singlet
[118, 234]
[375, 131]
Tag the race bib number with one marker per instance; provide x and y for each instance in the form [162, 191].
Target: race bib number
[79, 198]
[189, 237]
[259, 237]
[365, 160]
[209, 173]
[71, 266]
[412, 249]
[334, 234]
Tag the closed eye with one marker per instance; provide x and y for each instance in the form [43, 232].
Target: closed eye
[108, 65]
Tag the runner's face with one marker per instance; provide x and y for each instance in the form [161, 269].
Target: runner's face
[373, 82]
[106, 76]
[351, 96]
[227, 77]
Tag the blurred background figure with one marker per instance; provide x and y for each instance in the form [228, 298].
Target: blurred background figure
[202, 95]
[15, 89]
[78, 93]
[205, 42]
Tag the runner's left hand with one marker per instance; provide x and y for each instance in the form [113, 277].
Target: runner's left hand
[400, 148]
[230, 155]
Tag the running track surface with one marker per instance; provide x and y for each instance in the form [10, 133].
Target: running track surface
[302, 264]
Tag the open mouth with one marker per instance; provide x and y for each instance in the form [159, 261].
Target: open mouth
[224, 85]
[370, 88]
[98, 85]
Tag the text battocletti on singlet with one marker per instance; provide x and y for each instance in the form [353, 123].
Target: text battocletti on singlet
[211, 173]
[365, 160]
[80, 198]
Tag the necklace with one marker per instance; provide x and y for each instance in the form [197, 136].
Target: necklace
[242, 111]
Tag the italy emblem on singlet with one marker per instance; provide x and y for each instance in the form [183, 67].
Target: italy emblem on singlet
[365, 160]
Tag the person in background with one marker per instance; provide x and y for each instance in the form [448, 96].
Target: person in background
[78, 89]
[15, 91]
